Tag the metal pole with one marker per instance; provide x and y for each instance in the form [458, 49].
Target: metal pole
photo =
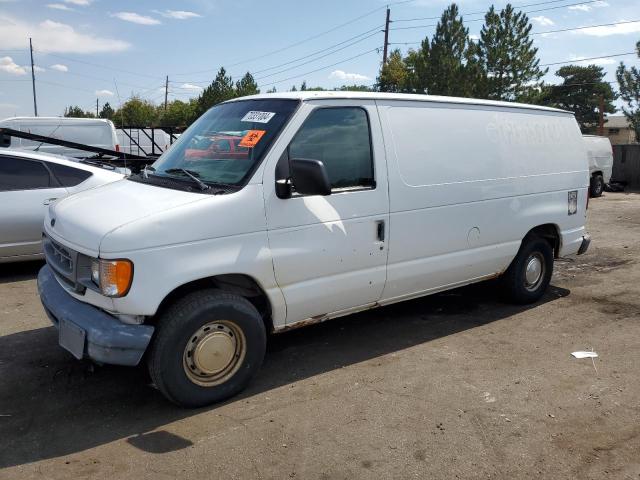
[97, 114]
[601, 116]
[166, 92]
[33, 80]
[386, 38]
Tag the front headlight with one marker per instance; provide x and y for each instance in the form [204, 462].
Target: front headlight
[113, 277]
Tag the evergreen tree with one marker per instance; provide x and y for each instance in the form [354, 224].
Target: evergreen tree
[418, 74]
[580, 93]
[246, 86]
[506, 54]
[77, 112]
[303, 87]
[446, 59]
[107, 111]
[629, 81]
[221, 89]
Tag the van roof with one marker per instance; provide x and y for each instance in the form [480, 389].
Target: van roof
[55, 119]
[335, 95]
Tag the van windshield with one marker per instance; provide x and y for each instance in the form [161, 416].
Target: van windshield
[226, 143]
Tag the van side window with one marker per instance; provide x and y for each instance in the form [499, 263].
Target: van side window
[68, 176]
[18, 174]
[340, 138]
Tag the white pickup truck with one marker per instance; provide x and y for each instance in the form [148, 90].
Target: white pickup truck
[275, 211]
[600, 155]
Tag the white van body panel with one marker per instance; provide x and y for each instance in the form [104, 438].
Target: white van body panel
[460, 205]
[459, 183]
[96, 132]
[326, 247]
[600, 155]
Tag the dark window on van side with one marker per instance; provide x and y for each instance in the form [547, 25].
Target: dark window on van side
[68, 176]
[20, 174]
[340, 138]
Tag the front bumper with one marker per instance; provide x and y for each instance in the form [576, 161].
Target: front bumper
[89, 332]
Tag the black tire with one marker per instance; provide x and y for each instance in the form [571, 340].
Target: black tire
[597, 186]
[517, 287]
[198, 314]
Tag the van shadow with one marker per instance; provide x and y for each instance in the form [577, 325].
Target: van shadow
[52, 405]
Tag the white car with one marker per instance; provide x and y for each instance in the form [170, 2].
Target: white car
[600, 155]
[29, 182]
[96, 132]
[332, 203]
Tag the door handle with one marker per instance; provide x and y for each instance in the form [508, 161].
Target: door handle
[49, 201]
[380, 230]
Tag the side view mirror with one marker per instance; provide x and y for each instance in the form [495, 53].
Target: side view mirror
[310, 177]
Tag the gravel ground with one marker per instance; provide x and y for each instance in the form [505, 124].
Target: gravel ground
[457, 385]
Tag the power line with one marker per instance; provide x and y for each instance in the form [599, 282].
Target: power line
[480, 13]
[585, 59]
[412, 27]
[106, 67]
[546, 32]
[321, 68]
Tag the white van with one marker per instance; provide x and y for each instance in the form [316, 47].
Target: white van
[96, 132]
[600, 155]
[318, 205]
[137, 141]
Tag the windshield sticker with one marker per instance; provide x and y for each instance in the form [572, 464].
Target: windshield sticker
[258, 117]
[252, 138]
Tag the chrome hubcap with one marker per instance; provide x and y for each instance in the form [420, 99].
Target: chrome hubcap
[214, 353]
[534, 271]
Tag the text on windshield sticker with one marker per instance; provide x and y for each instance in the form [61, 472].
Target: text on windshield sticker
[252, 138]
[258, 117]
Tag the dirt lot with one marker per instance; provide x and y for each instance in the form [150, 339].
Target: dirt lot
[457, 385]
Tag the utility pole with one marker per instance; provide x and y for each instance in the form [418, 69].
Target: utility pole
[97, 114]
[601, 116]
[33, 80]
[386, 38]
[166, 93]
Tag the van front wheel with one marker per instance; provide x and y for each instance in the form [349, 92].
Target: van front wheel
[529, 274]
[207, 347]
[597, 186]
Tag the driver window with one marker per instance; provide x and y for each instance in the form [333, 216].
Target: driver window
[340, 138]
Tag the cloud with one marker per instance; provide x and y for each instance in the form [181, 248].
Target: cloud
[38, 69]
[104, 93]
[59, 6]
[606, 31]
[588, 8]
[54, 37]
[350, 77]
[9, 66]
[136, 18]
[191, 86]
[80, 3]
[474, 37]
[177, 14]
[58, 67]
[543, 21]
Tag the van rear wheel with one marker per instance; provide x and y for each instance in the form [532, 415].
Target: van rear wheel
[207, 347]
[529, 274]
[597, 186]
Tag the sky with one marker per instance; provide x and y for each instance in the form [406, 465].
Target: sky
[109, 50]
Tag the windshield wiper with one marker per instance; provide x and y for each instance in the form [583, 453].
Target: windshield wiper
[191, 174]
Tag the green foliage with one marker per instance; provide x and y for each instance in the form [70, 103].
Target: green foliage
[246, 86]
[77, 112]
[178, 113]
[220, 90]
[394, 74]
[580, 92]
[506, 54]
[350, 88]
[629, 82]
[107, 111]
[136, 112]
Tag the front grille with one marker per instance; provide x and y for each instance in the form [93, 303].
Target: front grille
[63, 261]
